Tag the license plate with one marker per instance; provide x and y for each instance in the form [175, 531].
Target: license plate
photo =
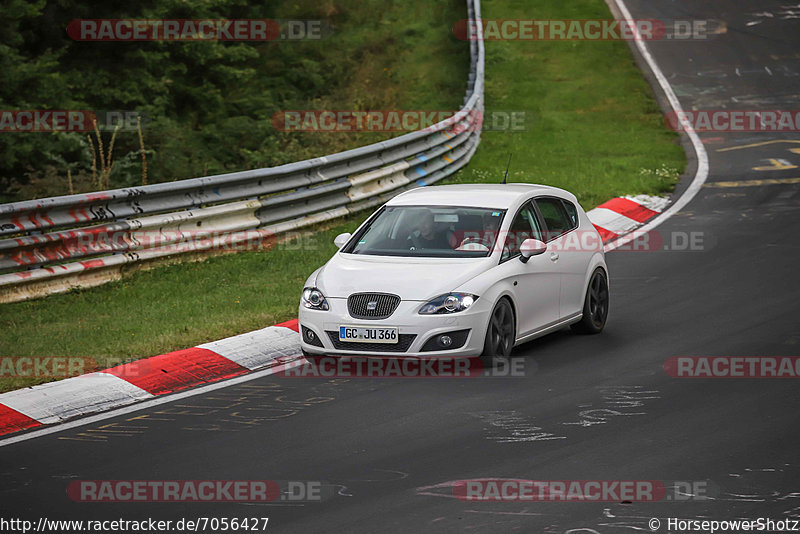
[360, 334]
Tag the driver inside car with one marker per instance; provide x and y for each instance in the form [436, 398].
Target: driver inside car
[488, 236]
[427, 237]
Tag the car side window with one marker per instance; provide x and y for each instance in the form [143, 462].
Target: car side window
[556, 217]
[572, 212]
[524, 226]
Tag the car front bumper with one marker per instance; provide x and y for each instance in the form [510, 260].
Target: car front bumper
[414, 330]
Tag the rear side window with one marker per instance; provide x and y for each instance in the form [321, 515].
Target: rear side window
[572, 212]
[556, 217]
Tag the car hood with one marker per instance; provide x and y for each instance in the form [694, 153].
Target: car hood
[409, 278]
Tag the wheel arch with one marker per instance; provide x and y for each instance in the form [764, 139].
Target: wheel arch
[510, 298]
[598, 261]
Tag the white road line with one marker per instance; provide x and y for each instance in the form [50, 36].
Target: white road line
[702, 157]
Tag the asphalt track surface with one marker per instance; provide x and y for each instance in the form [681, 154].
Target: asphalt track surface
[588, 408]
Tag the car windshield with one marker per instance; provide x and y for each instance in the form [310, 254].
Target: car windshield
[434, 232]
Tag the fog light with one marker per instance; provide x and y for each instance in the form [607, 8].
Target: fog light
[310, 337]
[445, 341]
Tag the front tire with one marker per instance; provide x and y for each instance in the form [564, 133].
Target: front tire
[595, 305]
[500, 334]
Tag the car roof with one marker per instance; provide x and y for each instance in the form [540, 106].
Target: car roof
[475, 195]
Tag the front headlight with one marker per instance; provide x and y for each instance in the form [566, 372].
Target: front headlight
[314, 299]
[449, 303]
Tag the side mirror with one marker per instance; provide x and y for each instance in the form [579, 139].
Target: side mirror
[341, 239]
[531, 247]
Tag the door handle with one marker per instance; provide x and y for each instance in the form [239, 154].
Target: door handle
[553, 256]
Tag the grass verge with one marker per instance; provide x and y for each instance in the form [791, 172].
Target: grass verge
[592, 126]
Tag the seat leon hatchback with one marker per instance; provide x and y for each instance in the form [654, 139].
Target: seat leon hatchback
[458, 270]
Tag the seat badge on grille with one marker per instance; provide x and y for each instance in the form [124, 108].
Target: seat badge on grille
[372, 305]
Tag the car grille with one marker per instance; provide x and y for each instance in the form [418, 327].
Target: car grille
[358, 304]
[403, 342]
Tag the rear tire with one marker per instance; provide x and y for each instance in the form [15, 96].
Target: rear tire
[595, 305]
[500, 334]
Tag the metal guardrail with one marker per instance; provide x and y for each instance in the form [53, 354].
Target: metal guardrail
[54, 244]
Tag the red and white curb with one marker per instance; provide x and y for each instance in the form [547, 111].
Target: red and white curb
[145, 379]
[271, 347]
[622, 215]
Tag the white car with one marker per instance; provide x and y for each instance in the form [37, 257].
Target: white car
[458, 270]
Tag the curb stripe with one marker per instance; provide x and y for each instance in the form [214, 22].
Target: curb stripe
[605, 235]
[293, 324]
[259, 349]
[55, 402]
[622, 215]
[145, 404]
[611, 220]
[58, 401]
[178, 370]
[629, 209]
[656, 204]
[13, 421]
